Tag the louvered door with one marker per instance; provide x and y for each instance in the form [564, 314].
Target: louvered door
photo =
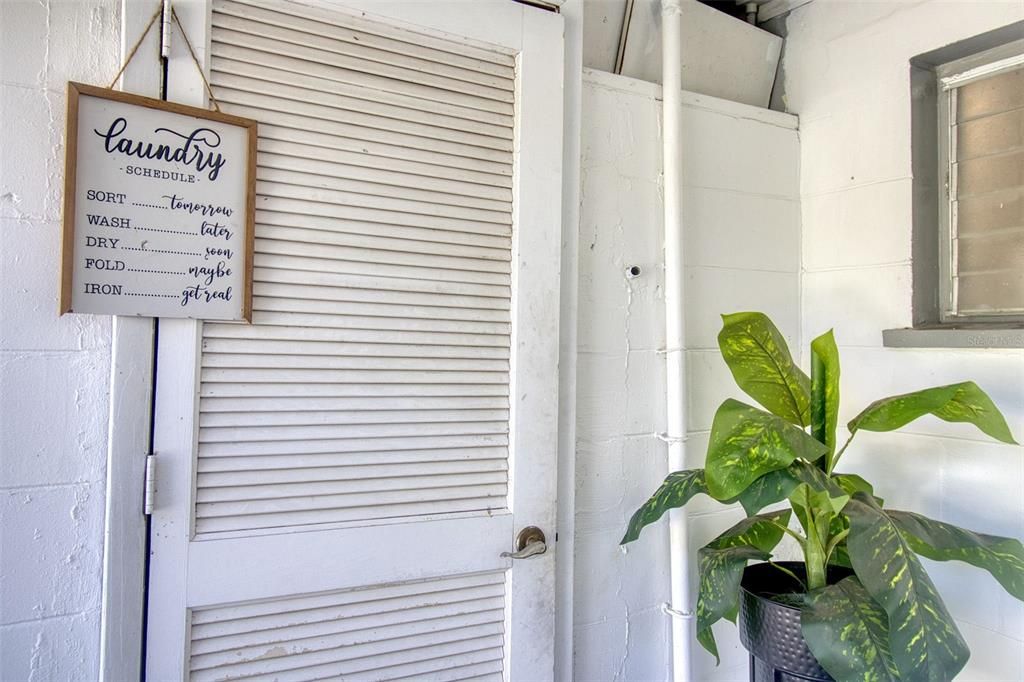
[338, 479]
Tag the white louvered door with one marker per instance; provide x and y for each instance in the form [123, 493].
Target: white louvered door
[337, 480]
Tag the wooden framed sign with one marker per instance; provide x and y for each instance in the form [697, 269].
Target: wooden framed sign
[158, 208]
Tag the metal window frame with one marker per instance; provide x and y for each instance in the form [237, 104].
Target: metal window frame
[950, 77]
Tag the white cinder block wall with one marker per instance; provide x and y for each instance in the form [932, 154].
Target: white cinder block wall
[742, 253]
[847, 76]
[54, 372]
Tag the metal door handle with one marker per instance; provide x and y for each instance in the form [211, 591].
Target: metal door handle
[530, 542]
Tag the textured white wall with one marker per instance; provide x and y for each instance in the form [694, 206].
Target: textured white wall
[54, 372]
[742, 225]
[847, 76]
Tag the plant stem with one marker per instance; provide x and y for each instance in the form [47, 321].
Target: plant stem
[814, 558]
[791, 574]
[789, 531]
[835, 460]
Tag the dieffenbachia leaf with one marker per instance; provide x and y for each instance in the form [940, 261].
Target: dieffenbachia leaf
[925, 642]
[840, 526]
[1002, 557]
[778, 485]
[848, 633]
[760, 362]
[720, 574]
[771, 488]
[852, 483]
[762, 531]
[963, 402]
[677, 489]
[825, 390]
[721, 567]
[747, 443]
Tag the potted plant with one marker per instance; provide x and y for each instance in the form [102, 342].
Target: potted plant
[860, 605]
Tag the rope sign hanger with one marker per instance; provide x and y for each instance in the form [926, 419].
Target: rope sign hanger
[188, 43]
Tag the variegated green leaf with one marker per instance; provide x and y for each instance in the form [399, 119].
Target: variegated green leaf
[825, 390]
[824, 502]
[778, 485]
[924, 640]
[747, 443]
[771, 488]
[762, 531]
[760, 362]
[721, 569]
[720, 574]
[963, 402]
[678, 489]
[817, 479]
[1002, 557]
[848, 633]
[852, 483]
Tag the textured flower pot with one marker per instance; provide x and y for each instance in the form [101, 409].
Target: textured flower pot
[770, 631]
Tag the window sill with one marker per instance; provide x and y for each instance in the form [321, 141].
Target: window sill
[954, 338]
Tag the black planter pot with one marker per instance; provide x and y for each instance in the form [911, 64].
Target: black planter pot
[770, 631]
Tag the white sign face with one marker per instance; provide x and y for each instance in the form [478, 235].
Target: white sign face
[158, 208]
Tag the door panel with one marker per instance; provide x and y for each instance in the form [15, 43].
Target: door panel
[338, 479]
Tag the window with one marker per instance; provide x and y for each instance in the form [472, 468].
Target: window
[981, 193]
[967, 143]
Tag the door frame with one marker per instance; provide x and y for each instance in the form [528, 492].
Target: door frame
[132, 356]
[125, 530]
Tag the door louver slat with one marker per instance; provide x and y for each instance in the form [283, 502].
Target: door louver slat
[447, 628]
[373, 382]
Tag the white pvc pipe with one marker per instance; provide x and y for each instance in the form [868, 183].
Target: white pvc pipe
[675, 330]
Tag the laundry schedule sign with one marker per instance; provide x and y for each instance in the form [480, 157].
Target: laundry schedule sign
[158, 208]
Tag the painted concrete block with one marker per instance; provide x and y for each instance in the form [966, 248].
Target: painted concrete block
[710, 383]
[613, 478]
[621, 131]
[54, 417]
[32, 173]
[29, 293]
[632, 578]
[600, 650]
[22, 53]
[986, 604]
[56, 535]
[904, 469]
[600, 395]
[730, 153]
[982, 487]
[728, 673]
[91, 44]
[857, 304]
[649, 630]
[995, 657]
[619, 229]
[860, 226]
[64, 648]
[644, 388]
[716, 222]
[836, 157]
[713, 292]
[619, 394]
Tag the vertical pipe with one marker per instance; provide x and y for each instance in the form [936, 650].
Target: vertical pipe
[675, 328]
